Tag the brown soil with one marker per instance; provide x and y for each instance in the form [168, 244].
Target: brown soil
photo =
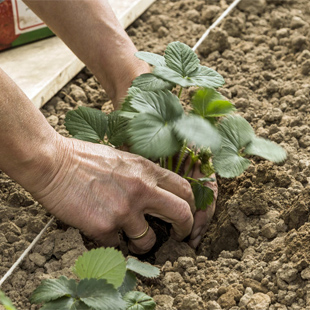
[256, 253]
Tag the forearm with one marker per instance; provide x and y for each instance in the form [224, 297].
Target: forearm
[92, 32]
[27, 141]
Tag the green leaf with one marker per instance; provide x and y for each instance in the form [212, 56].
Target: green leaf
[102, 263]
[181, 58]
[266, 149]
[65, 303]
[161, 103]
[173, 76]
[117, 129]
[207, 77]
[6, 302]
[220, 108]
[202, 77]
[236, 133]
[151, 132]
[151, 58]
[128, 284]
[126, 107]
[203, 195]
[150, 82]
[139, 301]
[86, 124]
[152, 137]
[98, 295]
[194, 129]
[229, 164]
[237, 130]
[53, 289]
[207, 102]
[143, 269]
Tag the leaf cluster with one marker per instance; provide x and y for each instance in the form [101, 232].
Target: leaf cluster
[107, 281]
[6, 302]
[153, 123]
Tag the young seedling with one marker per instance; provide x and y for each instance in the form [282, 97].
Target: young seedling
[6, 302]
[107, 281]
[153, 123]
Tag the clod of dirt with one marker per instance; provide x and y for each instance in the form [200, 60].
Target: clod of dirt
[217, 40]
[297, 22]
[297, 214]
[253, 7]
[233, 26]
[172, 250]
[66, 241]
[209, 12]
[305, 67]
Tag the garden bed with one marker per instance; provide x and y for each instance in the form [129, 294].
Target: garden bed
[255, 254]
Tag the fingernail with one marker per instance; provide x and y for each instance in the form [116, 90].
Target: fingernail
[196, 232]
[194, 243]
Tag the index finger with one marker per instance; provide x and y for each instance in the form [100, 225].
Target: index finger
[176, 185]
[171, 209]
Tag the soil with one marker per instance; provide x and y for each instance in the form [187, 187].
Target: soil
[256, 252]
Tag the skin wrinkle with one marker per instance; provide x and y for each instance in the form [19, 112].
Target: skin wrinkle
[55, 179]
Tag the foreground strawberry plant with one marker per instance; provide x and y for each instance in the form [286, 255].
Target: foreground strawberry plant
[106, 282]
[153, 123]
[6, 302]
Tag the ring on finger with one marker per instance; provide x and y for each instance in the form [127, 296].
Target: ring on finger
[142, 234]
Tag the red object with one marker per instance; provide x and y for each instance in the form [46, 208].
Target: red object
[7, 29]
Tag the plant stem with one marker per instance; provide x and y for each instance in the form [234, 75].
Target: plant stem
[180, 92]
[181, 158]
[191, 179]
[170, 163]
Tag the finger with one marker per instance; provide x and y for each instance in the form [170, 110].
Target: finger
[202, 221]
[107, 239]
[172, 209]
[141, 237]
[178, 186]
[202, 218]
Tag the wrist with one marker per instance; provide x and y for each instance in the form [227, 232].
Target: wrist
[35, 165]
[117, 82]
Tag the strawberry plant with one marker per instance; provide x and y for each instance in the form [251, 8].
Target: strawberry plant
[106, 282]
[6, 302]
[153, 123]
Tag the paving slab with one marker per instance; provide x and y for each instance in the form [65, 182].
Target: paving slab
[42, 68]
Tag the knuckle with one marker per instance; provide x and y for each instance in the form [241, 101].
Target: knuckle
[105, 229]
[122, 212]
[146, 245]
[187, 190]
[137, 188]
[184, 215]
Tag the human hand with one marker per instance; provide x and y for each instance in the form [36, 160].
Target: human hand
[101, 190]
[202, 218]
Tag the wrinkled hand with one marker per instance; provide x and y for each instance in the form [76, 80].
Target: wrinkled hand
[101, 190]
[202, 218]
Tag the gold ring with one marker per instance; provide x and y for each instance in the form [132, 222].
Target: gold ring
[141, 235]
